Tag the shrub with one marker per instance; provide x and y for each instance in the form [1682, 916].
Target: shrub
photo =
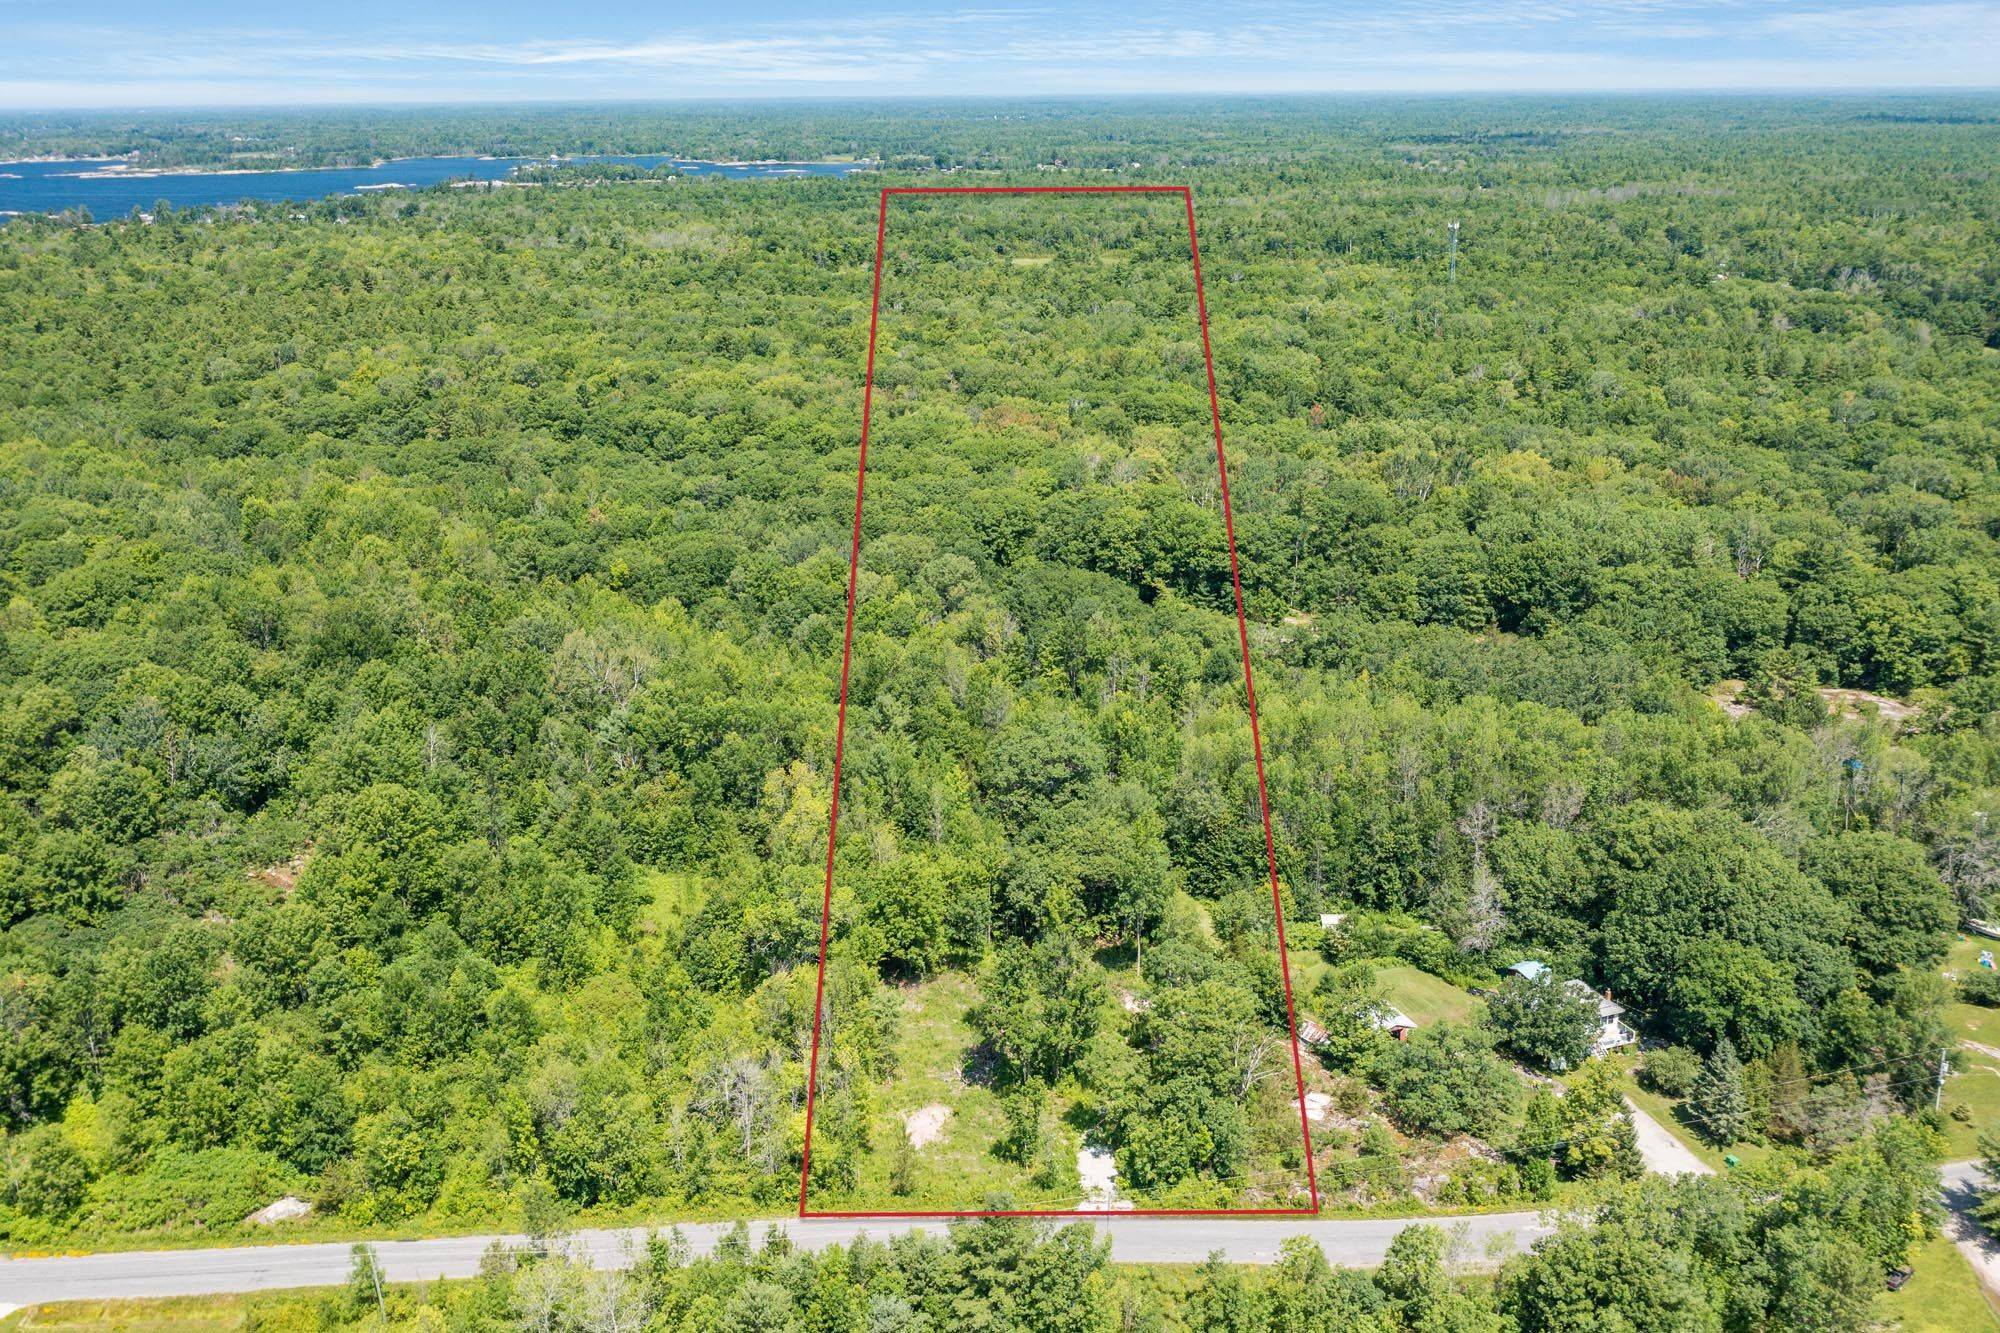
[903, 1164]
[1446, 1080]
[211, 1190]
[1396, 935]
[1980, 986]
[1671, 1071]
[1478, 1181]
[1433, 952]
[46, 1177]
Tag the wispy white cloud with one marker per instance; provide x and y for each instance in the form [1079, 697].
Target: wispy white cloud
[1259, 45]
[1912, 27]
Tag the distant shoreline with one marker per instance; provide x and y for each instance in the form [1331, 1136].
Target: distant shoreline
[125, 172]
[122, 168]
[52, 157]
[118, 184]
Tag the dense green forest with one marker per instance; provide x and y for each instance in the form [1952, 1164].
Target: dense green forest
[423, 619]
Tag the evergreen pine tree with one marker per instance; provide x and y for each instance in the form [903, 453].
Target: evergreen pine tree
[903, 1164]
[1789, 1119]
[1989, 1201]
[1720, 1105]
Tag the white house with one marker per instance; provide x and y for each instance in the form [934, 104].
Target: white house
[1612, 1029]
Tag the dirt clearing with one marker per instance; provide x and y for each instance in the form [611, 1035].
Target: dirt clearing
[925, 1126]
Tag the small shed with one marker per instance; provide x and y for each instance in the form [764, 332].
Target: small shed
[1396, 1023]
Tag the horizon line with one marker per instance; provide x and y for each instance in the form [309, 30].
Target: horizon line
[874, 99]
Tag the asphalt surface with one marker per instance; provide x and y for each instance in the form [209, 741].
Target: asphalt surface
[1357, 1242]
[1962, 1183]
[1664, 1154]
[1352, 1242]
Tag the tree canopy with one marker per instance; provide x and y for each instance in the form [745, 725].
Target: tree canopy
[421, 622]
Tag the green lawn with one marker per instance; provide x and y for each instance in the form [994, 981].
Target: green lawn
[179, 1314]
[1975, 1080]
[1970, 1021]
[1428, 999]
[1974, 1084]
[1943, 1296]
[1974, 1023]
[1307, 968]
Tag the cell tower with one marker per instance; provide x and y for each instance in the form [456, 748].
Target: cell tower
[1451, 229]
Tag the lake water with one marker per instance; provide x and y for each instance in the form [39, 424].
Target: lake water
[50, 187]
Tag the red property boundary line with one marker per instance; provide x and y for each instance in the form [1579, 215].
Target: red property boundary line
[1249, 692]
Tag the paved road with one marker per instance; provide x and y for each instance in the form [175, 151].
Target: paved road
[1664, 1154]
[1962, 1183]
[1356, 1242]
[1352, 1242]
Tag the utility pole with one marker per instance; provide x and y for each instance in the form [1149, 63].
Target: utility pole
[1944, 1067]
[1451, 229]
[364, 1257]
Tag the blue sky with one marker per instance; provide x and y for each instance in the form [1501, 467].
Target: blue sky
[59, 53]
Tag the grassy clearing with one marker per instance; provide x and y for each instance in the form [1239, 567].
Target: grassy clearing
[1975, 1085]
[1975, 1081]
[1428, 999]
[960, 1169]
[671, 898]
[177, 1314]
[1307, 968]
[1973, 1022]
[934, 1067]
[1970, 1021]
[1943, 1296]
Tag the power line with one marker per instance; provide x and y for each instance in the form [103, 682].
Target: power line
[1824, 1074]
